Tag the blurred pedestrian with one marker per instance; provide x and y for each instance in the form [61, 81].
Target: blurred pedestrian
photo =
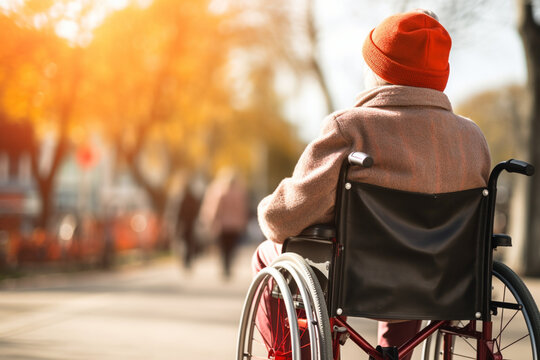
[224, 212]
[109, 251]
[187, 216]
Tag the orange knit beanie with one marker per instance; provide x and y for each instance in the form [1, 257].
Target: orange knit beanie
[409, 49]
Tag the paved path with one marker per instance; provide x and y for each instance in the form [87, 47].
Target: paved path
[152, 312]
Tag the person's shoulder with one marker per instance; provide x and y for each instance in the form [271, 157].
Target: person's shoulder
[467, 123]
[334, 116]
[340, 121]
[345, 116]
[472, 129]
[331, 121]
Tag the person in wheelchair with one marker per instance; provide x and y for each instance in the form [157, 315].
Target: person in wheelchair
[404, 121]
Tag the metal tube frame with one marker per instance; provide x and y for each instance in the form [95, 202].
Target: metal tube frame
[483, 338]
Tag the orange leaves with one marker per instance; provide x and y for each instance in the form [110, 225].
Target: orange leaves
[158, 74]
[37, 6]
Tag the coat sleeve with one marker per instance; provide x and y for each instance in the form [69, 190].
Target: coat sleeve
[308, 196]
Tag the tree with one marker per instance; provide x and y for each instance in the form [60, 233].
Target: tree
[530, 34]
[156, 81]
[286, 35]
[501, 114]
[40, 75]
[147, 84]
[167, 97]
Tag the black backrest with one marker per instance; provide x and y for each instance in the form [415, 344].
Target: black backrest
[405, 255]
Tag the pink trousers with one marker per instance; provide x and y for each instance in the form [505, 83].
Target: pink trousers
[389, 334]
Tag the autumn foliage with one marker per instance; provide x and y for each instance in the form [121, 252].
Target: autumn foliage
[158, 82]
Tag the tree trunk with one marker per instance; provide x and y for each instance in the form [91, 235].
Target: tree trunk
[530, 34]
[46, 195]
[314, 63]
[45, 182]
[157, 196]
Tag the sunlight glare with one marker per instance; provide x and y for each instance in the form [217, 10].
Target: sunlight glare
[77, 28]
[118, 4]
[10, 4]
[68, 29]
[73, 9]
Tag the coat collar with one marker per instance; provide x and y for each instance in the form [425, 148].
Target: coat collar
[398, 95]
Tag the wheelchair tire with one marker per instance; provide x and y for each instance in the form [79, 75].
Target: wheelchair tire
[274, 337]
[283, 335]
[515, 318]
[317, 302]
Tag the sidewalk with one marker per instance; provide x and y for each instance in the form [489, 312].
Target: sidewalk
[138, 312]
[203, 267]
[154, 311]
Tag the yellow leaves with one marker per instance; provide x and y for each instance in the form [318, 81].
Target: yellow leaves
[14, 104]
[17, 101]
[154, 161]
[239, 154]
[37, 6]
[160, 72]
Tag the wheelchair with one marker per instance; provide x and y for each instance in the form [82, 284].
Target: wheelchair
[394, 255]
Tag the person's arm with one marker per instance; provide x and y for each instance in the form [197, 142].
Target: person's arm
[308, 197]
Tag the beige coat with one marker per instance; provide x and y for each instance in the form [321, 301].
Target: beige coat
[225, 205]
[416, 141]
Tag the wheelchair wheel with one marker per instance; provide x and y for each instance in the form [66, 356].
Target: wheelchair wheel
[515, 319]
[321, 321]
[281, 318]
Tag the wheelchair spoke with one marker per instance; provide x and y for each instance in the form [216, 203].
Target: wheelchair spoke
[260, 332]
[278, 320]
[516, 341]
[284, 353]
[285, 337]
[286, 330]
[502, 317]
[468, 343]
[504, 325]
[499, 337]
[465, 339]
[280, 329]
[464, 356]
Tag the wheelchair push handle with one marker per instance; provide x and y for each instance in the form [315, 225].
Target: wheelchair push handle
[360, 158]
[513, 166]
[518, 166]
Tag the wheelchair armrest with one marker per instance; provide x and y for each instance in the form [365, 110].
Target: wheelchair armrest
[315, 244]
[319, 231]
[501, 240]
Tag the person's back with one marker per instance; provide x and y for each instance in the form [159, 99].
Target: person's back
[405, 122]
[421, 145]
[224, 211]
[232, 208]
